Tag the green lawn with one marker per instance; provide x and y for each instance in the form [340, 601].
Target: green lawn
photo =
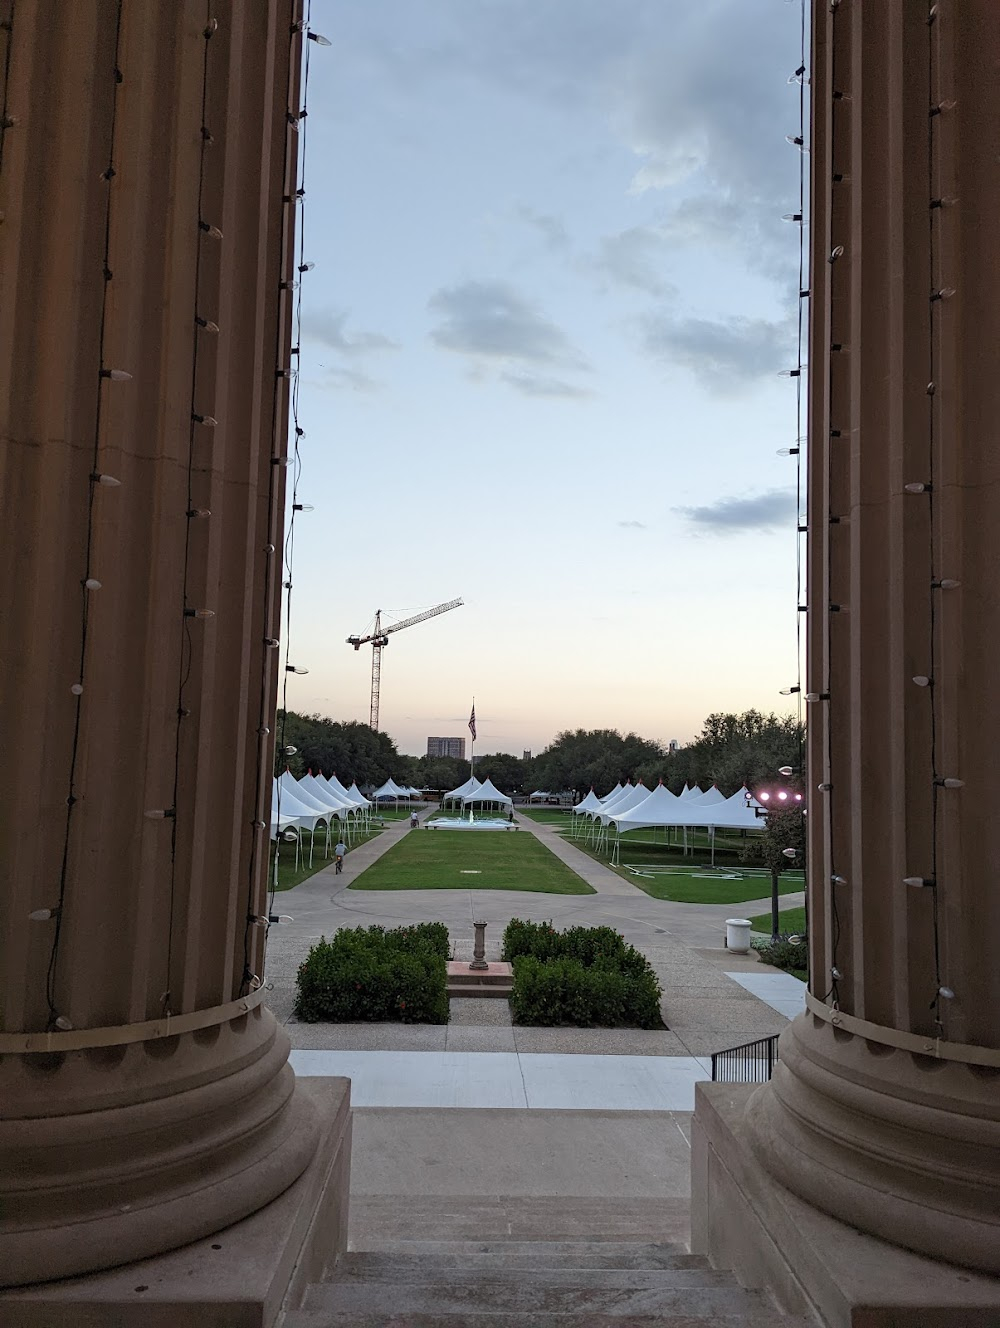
[793, 921]
[289, 876]
[561, 816]
[470, 860]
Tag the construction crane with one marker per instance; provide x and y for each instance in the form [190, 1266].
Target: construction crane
[379, 637]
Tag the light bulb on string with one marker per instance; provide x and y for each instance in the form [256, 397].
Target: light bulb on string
[790, 852]
[836, 252]
[922, 679]
[945, 293]
[281, 461]
[289, 285]
[92, 583]
[950, 783]
[271, 642]
[838, 880]
[291, 751]
[43, 914]
[916, 487]
[791, 216]
[789, 691]
[108, 481]
[919, 882]
[788, 451]
[160, 814]
[199, 513]
[199, 613]
[303, 507]
[786, 770]
[824, 788]
[63, 1023]
[306, 267]
[946, 583]
[817, 696]
[297, 197]
[291, 668]
[209, 421]
[207, 324]
[790, 373]
[836, 974]
[946, 993]
[211, 231]
[116, 375]
[263, 731]
[77, 689]
[319, 39]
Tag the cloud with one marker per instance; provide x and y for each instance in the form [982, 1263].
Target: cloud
[726, 354]
[633, 525]
[492, 320]
[351, 379]
[551, 229]
[635, 258]
[772, 510]
[328, 327]
[530, 385]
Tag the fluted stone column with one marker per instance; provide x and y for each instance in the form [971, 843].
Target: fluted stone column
[144, 1088]
[885, 1109]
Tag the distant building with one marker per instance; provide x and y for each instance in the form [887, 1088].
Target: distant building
[673, 745]
[526, 756]
[446, 747]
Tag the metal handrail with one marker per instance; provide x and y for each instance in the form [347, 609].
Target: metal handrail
[751, 1063]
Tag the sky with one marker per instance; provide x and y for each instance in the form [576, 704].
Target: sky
[540, 359]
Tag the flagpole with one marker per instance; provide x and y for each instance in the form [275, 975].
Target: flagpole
[472, 749]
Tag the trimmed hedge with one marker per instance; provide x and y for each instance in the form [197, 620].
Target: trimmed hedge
[784, 953]
[589, 977]
[368, 974]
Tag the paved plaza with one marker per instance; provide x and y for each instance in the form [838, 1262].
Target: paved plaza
[711, 999]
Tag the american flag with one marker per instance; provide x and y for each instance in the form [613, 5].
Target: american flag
[472, 722]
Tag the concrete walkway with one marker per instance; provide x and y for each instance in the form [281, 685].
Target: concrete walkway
[600, 878]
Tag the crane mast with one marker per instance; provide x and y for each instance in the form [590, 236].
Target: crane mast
[379, 637]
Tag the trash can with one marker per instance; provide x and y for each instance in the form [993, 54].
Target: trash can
[738, 935]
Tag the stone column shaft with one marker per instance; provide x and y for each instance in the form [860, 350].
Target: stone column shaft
[886, 1110]
[144, 167]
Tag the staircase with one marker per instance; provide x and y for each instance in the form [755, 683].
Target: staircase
[531, 1284]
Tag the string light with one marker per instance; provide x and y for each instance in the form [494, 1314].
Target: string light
[42, 914]
[922, 680]
[208, 421]
[160, 814]
[950, 783]
[199, 613]
[207, 325]
[199, 513]
[108, 481]
[919, 882]
[946, 583]
[77, 689]
[916, 487]
[116, 375]
[92, 583]
[212, 231]
[303, 507]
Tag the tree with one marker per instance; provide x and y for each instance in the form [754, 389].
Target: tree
[784, 830]
[592, 758]
[351, 751]
[440, 773]
[507, 772]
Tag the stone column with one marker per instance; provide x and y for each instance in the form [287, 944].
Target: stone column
[145, 1091]
[885, 1109]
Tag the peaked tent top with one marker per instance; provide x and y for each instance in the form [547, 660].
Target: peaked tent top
[487, 792]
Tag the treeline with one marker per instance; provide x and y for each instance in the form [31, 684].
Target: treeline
[731, 750]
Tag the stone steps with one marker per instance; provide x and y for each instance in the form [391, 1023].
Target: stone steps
[497, 979]
[531, 1284]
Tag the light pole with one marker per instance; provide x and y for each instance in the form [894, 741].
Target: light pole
[776, 798]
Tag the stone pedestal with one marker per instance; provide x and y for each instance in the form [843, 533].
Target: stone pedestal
[240, 1276]
[744, 1220]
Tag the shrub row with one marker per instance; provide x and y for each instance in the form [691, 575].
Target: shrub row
[586, 976]
[589, 945]
[784, 953]
[367, 974]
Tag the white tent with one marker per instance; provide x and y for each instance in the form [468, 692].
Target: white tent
[661, 807]
[609, 803]
[539, 793]
[590, 803]
[635, 796]
[457, 794]
[711, 796]
[355, 793]
[284, 804]
[613, 794]
[335, 786]
[688, 794]
[325, 796]
[486, 792]
[390, 789]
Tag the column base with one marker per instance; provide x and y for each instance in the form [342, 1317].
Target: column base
[744, 1220]
[240, 1277]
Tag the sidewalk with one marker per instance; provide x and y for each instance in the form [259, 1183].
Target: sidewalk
[600, 878]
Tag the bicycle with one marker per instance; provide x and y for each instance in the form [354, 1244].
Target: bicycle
[340, 865]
